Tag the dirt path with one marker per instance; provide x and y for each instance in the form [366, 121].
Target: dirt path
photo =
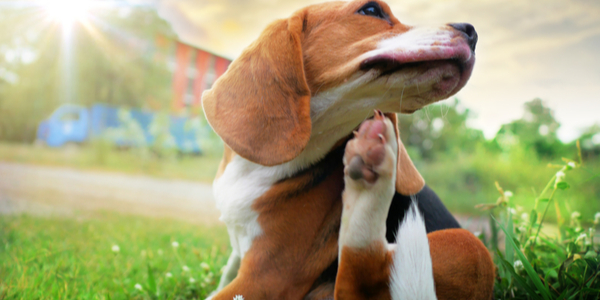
[42, 190]
[61, 191]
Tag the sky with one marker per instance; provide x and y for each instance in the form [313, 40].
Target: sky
[547, 49]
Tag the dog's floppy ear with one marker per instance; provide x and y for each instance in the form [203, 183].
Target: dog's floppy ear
[408, 180]
[261, 106]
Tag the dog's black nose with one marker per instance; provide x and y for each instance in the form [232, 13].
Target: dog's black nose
[469, 31]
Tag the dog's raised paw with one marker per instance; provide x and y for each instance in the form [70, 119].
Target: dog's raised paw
[372, 152]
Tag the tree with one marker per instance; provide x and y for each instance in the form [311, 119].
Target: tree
[439, 128]
[115, 60]
[536, 130]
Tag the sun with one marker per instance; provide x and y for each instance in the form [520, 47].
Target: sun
[67, 12]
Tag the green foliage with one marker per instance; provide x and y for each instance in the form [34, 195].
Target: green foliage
[108, 256]
[556, 263]
[536, 130]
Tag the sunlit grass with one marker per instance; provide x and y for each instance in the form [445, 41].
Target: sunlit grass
[105, 256]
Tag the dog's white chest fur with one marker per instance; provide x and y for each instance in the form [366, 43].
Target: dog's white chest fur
[235, 191]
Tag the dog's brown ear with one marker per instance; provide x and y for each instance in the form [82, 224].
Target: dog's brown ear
[408, 180]
[261, 106]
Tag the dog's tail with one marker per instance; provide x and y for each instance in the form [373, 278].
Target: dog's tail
[412, 272]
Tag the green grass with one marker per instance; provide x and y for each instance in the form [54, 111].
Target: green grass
[105, 158]
[56, 258]
[462, 181]
[535, 264]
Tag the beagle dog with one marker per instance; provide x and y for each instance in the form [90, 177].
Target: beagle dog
[286, 110]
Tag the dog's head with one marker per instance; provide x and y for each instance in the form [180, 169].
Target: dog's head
[324, 69]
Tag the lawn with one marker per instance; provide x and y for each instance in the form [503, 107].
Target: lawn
[108, 256]
[105, 158]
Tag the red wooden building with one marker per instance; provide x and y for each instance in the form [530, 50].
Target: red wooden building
[195, 70]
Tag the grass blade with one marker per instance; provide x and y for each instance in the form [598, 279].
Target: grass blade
[528, 268]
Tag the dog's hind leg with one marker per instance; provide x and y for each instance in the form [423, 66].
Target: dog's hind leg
[366, 261]
[369, 267]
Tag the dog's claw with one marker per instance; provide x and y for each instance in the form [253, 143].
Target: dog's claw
[379, 115]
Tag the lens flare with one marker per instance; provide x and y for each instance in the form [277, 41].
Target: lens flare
[67, 12]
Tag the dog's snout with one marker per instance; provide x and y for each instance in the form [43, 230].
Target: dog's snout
[469, 32]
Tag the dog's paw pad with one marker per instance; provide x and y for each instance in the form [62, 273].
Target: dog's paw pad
[366, 152]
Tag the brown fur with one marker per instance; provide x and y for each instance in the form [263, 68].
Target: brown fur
[364, 273]
[462, 266]
[264, 116]
[300, 219]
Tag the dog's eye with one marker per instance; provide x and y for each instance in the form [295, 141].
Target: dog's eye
[371, 9]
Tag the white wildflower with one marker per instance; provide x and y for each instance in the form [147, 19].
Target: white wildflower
[192, 280]
[512, 211]
[519, 267]
[168, 275]
[571, 164]
[581, 237]
[525, 217]
[115, 248]
[175, 244]
[508, 194]
[238, 297]
[575, 215]
[560, 177]
[597, 218]
[205, 266]
[522, 228]
[185, 268]
[138, 287]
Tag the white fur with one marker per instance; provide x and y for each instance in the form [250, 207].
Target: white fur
[412, 273]
[366, 203]
[334, 114]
